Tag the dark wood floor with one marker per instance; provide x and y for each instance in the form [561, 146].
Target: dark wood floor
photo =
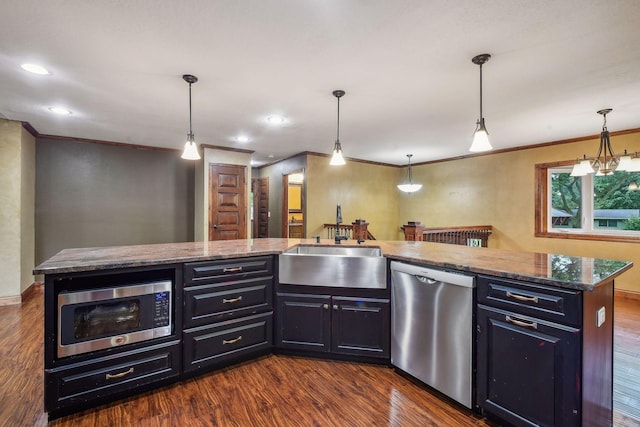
[274, 390]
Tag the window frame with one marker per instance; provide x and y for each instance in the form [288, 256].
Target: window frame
[542, 219]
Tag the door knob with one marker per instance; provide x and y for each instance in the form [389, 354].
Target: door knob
[215, 226]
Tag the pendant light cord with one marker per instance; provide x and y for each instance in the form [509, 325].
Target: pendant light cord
[480, 91]
[190, 129]
[338, 131]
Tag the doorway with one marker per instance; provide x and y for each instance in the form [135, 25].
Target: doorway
[227, 202]
[293, 205]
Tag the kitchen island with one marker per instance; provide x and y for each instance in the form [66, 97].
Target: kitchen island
[575, 296]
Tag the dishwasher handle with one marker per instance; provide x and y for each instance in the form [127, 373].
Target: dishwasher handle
[425, 279]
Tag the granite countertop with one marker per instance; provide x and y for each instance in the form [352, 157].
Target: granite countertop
[551, 269]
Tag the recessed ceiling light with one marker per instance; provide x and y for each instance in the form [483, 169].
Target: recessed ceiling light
[270, 156]
[35, 69]
[242, 138]
[276, 120]
[59, 110]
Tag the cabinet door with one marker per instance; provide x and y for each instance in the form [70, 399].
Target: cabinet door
[528, 369]
[360, 326]
[304, 322]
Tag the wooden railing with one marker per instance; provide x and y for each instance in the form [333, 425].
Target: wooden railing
[476, 235]
[357, 229]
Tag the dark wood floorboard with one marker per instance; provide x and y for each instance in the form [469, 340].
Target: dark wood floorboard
[273, 390]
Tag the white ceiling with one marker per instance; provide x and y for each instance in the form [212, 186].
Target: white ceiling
[405, 66]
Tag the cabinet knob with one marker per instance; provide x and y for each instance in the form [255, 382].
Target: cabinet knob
[325, 306]
[335, 306]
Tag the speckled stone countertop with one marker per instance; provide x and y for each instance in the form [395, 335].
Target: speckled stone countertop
[551, 269]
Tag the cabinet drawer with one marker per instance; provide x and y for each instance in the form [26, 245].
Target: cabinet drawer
[544, 302]
[215, 302]
[227, 269]
[223, 342]
[81, 382]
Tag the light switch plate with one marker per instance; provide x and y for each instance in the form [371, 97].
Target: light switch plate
[600, 317]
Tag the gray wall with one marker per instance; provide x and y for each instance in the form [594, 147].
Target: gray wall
[90, 194]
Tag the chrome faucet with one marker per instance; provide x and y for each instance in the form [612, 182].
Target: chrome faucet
[338, 222]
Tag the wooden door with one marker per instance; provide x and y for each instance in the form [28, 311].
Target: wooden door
[263, 207]
[227, 202]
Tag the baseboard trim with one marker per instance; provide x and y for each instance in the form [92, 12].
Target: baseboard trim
[13, 300]
[32, 289]
[630, 295]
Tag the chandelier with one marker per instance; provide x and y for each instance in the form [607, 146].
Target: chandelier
[606, 161]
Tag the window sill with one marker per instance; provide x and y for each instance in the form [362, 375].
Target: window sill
[585, 236]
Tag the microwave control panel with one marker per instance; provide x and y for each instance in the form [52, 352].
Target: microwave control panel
[162, 309]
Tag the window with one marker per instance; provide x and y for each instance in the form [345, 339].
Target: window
[587, 207]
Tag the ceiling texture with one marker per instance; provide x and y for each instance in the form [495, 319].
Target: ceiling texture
[405, 66]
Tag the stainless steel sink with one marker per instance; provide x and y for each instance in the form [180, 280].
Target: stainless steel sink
[334, 266]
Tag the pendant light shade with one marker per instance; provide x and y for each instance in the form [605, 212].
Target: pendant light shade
[190, 148]
[337, 159]
[408, 186]
[480, 136]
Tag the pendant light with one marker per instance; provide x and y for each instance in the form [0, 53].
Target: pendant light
[408, 186]
[605, 161]
[480, 136]
[190, 148]
[337, 159]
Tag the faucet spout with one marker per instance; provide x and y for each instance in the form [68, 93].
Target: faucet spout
[338, 222]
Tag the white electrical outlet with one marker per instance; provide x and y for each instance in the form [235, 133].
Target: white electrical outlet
[600, 317]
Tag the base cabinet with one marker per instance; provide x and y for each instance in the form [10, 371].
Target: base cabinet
[72, 386]
[528, 367]
[544, 354]
[333, 324]
[225, 342]
[228, 312]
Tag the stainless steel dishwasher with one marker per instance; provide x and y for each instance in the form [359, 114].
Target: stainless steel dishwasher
[431, 327]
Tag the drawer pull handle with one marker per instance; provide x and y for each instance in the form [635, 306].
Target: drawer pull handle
[232, 270]
[120, 375]
[233, 341]
[522, 297]
[532, 325]
[231, 300]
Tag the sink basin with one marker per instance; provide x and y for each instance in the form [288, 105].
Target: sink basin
[334, 266]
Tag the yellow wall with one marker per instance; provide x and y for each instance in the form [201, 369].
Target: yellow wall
[365, 191]
[17, 209]
[498, 190]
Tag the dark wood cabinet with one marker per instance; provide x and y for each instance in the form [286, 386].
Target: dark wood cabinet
[528, 367]
[343, 325]
[228, 311]
[537, 362]
[107, 378]
[226, 342]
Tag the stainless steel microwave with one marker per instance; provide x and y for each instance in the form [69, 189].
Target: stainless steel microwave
[96, 319]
